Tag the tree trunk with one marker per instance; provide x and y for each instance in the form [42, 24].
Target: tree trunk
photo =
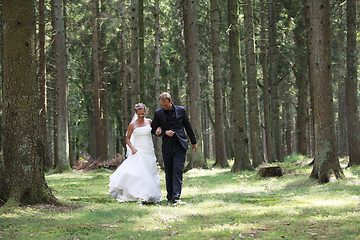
[206, 117]
[264, 66]
[103, 63]
[274, 82]
[339, 74]
[204, 121]
[135, 88]
[342, 135]
[220, 157]
[157, 140]
[53, 93]
[326, 160]
[62, 88]
[23, 152]
[42, 79]
[141, 52]
[309, 50]
[229, 150]
[100, 153]
[302, 86]
[242, 161]
[256, 144]
[351, 99]
[193, 72]
[124, 81]
[288, 112]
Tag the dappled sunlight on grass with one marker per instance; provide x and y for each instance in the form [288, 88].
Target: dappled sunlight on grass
[220, 205]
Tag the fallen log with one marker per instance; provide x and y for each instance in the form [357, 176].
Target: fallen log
[270, 171]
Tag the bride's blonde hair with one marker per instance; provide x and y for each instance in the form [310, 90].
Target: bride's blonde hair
[139, 106]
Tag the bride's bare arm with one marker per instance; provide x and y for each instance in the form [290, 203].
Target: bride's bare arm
[128, 136]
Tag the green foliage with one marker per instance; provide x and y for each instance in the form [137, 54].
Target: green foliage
[220, 205]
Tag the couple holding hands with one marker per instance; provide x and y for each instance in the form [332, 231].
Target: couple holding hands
[137, 178]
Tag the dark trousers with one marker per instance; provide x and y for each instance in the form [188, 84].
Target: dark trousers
[174, 156]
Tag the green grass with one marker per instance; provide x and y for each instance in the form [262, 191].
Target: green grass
[220, 205]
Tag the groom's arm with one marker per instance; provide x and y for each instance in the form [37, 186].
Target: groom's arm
[156, 124]
[189, 129]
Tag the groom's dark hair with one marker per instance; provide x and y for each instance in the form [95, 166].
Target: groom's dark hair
[165, 96]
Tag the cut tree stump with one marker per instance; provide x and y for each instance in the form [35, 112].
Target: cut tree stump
[270, 171]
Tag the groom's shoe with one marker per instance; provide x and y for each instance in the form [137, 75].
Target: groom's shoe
[177, 201]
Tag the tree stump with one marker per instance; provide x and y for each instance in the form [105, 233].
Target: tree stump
[270, 171]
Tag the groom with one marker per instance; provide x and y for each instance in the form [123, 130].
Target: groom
[169, 123]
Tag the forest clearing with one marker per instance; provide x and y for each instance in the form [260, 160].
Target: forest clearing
[220, 205]
[253, 82]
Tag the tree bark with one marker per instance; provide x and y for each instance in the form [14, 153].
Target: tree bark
[220, 157]
[302, 86]
[274, 82]
[309, 50]
[242, 161]
[103, 63]
[264, 66]
[23, 152]
[141, 52]
[63, 162]
[351, 89]
[124, 81]
[288, 112]
[135, 85]
[101, 154]
[256, 144]
[326, 160]
[42, 79]
[157, 140]
[339, 74]
[193, 73]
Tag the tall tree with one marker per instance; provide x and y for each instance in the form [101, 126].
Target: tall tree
[63, 162]
[242, 161]
[141, 52]
[103, 63]
[134, 25]
[23, 179]
[326, 160]
[288, 112]
[351, 89]
[339, 76]
[124, 81]
[256, 144]
[42, 80]
[302, 86]
[295, 9]
[274, 81]
[220, 158]
[264, 67]
[101, 149]
[310, 60]
[52, 95]
[157, 141]
[193, 73]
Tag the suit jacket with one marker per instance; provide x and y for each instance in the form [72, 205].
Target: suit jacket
[179, 126]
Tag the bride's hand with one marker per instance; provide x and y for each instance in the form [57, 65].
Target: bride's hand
[133, 151]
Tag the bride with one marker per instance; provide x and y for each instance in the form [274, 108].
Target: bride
[137, 178]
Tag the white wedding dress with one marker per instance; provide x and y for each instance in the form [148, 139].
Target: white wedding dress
[137, 177]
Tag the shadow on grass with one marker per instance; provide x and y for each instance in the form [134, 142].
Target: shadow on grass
[208, 214]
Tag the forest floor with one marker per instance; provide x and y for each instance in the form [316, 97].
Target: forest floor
[220, 205]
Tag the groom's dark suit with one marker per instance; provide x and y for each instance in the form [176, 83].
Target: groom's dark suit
[173, 148]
